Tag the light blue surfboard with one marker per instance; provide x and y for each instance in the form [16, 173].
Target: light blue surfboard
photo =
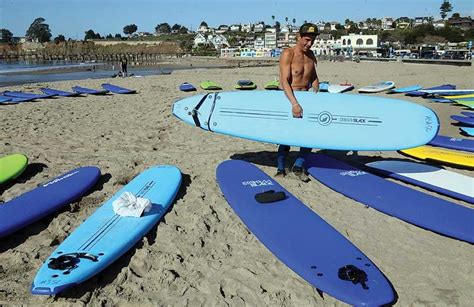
[406, 89]
[340, 122]
[105, 236]
[468, 130]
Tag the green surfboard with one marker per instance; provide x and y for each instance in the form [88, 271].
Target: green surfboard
[210, 85]
[12, 166]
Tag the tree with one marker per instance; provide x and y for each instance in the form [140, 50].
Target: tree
[294, 21]
[130, 29]
[109, 36]
[163, 28]
[286, 19]
[273, 18]
[445, 8]
[203, 24]
[5, 36]
[39, 30]
[59, 39]
[118, 35]
[90, 34]
[277, 26]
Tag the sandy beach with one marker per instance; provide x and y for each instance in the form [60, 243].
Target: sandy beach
[201, 254]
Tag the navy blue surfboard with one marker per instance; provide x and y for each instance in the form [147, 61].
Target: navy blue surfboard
[423, 94]
[13, 100]
[117, 89]
[463, 120]
[300, 238]
[46, 199]
[18, 94]
[187, 87]
[453, 143]
[468, 114]
[90, 91]
[52, 91]
[409, 205]
[5, 99]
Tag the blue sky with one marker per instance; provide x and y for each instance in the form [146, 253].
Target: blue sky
[73, 17]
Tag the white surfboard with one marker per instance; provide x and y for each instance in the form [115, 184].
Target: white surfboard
[432, 178]
[340, 88]
[378, 87]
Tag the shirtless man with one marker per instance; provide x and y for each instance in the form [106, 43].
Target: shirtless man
[298, 73]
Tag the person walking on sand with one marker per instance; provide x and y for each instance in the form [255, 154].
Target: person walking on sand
[298, 73]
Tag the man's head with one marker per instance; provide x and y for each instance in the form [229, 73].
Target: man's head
[307, 35]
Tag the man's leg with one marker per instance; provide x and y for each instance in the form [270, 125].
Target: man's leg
[283, 151]
[298, 166]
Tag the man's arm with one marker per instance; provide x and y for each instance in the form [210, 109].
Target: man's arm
[285, 79]
[315, 84]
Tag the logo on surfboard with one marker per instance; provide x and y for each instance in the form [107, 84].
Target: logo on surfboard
[257, 183]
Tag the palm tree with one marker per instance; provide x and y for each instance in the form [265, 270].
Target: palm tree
[294, 21]
[286, 19]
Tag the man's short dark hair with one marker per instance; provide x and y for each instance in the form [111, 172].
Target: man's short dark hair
[309, 29]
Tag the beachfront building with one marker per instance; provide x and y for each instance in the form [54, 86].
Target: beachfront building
[230, 52]
[358, 44]
[259, 43]
[325, 44]
[248, 52]
[270, 40]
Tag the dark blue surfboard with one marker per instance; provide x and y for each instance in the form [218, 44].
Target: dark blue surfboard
[409, 205]
[463, 120]
[468, 114]
[117, 89]
[46, 199]
[90, 91]
[26, 95]
[52, 91]
[187, 87]
[299, 237]
[423, 94]
[453, 143]
[13, 100]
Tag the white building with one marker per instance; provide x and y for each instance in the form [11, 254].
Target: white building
[325, 44]
[259, 27]
[235, 28]
[438, 24]
[218, 40]
[387, 23]
[358, 42]
[247, 28]
[270, 40]
[259, 42]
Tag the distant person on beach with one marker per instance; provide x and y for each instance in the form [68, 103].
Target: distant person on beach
[298, 73]
[123, 65]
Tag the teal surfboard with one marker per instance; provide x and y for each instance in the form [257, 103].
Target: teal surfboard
[340, 122]
[105, 236]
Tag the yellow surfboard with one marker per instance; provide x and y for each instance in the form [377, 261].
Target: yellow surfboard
[459, 96]
[12, 166]
[459, 158]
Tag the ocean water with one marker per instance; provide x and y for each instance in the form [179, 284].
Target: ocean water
[28, 72]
